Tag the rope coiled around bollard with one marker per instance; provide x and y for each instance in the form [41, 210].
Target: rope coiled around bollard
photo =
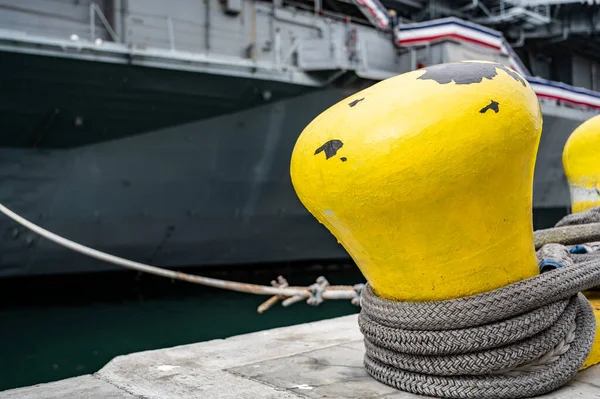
[521, 340]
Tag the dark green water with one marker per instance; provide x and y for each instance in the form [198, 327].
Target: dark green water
[60, 327]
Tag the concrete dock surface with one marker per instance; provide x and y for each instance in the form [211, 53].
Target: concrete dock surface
[313, 360]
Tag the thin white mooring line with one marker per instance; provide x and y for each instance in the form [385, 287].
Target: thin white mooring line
[331, 292]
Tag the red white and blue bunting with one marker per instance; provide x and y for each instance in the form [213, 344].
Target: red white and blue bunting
[429, 32]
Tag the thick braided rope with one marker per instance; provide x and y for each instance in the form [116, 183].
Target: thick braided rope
[521, 340]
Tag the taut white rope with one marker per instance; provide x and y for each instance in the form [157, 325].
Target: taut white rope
[327, 292]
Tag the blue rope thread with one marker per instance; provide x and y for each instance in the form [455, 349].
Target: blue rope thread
[549, 264]
[579, 249]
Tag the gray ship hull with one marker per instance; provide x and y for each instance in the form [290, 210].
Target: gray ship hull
[212, 192]
[207, 193]
[54, 102]
[80, 155]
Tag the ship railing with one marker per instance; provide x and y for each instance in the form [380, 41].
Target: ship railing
[96, 11]
[336, 47]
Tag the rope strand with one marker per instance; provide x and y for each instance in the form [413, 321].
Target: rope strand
[539, 363]
[314, 296]
[522, 340]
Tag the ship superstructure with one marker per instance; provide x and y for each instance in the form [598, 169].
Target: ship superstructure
[162, 131]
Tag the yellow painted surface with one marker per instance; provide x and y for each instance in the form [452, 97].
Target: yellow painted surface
[582, 206]
[581, 162]
[594, 356]
[426, 186]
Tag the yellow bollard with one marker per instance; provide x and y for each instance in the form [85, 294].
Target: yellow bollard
[426, 179]
[581, 162]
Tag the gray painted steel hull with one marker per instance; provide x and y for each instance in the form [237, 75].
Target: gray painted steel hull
[550, 187]
[52, 102]
[212, 192]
